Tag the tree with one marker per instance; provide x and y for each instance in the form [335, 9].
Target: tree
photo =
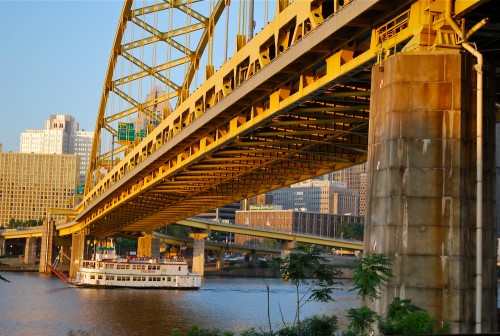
[307, 267]
[400, 307]
[410, 323]
[16, 223]
[175, 230]
[404, 318]
[1, 277]
[125, 246]
[373, 272]
[351, 230]
[312, 326]
[361, 319]
[271, 243]
[196, 330]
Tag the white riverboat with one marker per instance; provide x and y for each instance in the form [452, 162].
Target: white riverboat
[110, 271]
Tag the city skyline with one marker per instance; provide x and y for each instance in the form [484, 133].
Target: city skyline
[54, 62]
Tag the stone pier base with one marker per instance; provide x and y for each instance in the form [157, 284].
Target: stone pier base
[421, 195]
[77, 253]
[30, 251]
[199, 252]
[46, 246]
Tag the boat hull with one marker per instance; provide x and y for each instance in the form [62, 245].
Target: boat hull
[141, 274]
[131, 287]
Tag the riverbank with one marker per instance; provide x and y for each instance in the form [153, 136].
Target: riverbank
[17, 265]
[230, 269]
[345, 265]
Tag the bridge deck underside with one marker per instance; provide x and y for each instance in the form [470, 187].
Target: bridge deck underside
[305, 142]
[320, 130]
[297, 118]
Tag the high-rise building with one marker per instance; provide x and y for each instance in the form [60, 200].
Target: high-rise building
[30, 184]
[81, 145]
[355, 177]
[318, 196]
[60, 136]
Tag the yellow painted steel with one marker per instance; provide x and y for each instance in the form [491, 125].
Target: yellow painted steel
[71, 227]
[291, 104]
[114, 80]
[23, 233]
[218, 247]
[272, 234]
[291, 143]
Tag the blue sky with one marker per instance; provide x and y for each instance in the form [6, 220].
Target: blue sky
[54, 56]
[53, 59]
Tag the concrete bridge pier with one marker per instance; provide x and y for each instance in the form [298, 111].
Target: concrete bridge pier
[199, 252]
[2, 246]
[252, 257]
[77, 253]
[64, 252]
[421, 209]
[148, 246]
[46, 246]
[219, 264]
[30, 251]
[286, 246]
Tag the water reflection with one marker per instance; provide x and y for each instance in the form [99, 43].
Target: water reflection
[39, 304]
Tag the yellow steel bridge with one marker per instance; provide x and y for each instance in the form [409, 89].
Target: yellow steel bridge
[198, 110]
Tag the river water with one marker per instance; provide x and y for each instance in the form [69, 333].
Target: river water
[41, 304]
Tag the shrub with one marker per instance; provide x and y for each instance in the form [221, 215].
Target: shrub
[361, 319]
[415, 323]
[196, 330]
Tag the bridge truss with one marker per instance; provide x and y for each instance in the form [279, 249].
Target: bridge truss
[292, 103]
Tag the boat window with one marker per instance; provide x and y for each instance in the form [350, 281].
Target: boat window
[92, 276]
[168, 279]
[179, 268]
[110, 277]
[99, 277]
[127, 266]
